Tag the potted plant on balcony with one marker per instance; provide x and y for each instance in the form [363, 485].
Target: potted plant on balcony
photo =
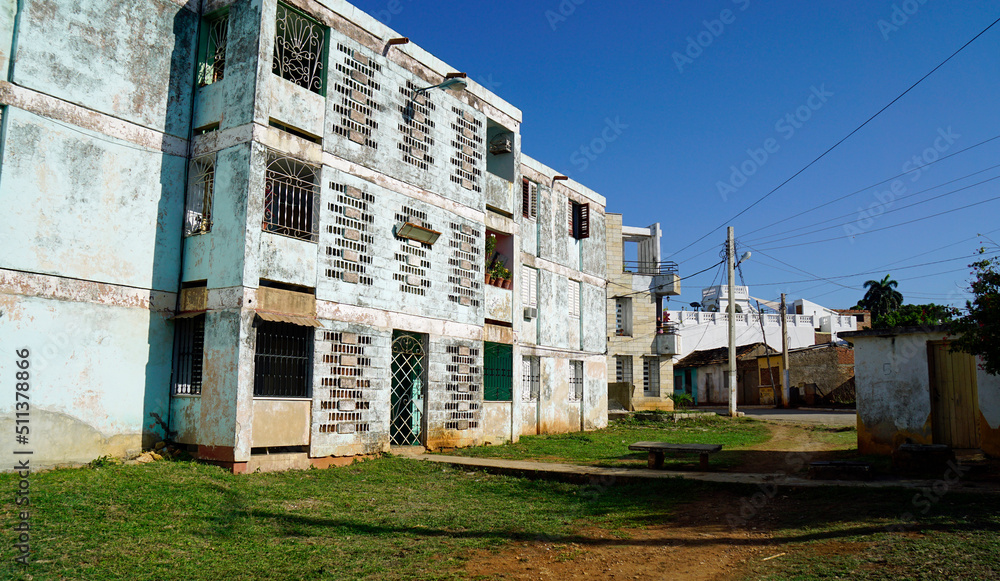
[490, 263]
[506, 278]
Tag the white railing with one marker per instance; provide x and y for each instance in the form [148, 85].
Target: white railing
[691, 318]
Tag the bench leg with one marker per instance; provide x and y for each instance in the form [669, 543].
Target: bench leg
[655, 460]
[704, 462]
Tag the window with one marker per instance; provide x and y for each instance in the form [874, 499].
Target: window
[291, 195]
[529, 199]
[530, 372]
[498, 373]
[529, 287]
[575, 380]
[299, 47]
[212, 52]
[651, 376]
[579, 220]
[189, 355]
[769, 377]
[623, 368]
[573, 294]
[283, 362]
[201, 186]
[623, 317]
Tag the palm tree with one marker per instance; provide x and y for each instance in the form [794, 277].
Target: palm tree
[881, 297]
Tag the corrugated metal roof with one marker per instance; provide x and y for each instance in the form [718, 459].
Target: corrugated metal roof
[280, 318]
[186, 315]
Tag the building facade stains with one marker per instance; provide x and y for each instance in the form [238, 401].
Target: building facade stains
[255, 231]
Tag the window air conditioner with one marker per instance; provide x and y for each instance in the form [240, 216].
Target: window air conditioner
[530, 312]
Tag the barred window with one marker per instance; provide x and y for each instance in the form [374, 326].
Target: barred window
[299, 47]
[291, 196]
[575, 380]
[530, 373]
[212, 52]
[201, 187]
[623, 368]
[623, 317]
[189, 355]
[283, 361]
[651, 376]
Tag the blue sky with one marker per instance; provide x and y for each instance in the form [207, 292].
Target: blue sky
[698, 88]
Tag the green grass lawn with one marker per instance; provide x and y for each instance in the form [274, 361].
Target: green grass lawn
[389, 518]
[609, 446]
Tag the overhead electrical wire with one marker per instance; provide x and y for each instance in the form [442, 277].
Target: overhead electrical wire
[848, 136]
[763, 239]
[883, 182]
[935, 215]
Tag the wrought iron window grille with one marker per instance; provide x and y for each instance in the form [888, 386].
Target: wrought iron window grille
[201, 187]
[283, 360]
[299, 48]
[291, 198]
[189, 355]
[212, 64]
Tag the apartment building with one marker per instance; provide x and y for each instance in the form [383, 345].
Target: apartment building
[282, 235]
[641, 344]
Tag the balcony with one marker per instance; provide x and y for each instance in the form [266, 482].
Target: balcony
[659, 278]
[668, 343]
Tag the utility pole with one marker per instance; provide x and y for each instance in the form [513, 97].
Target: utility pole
[784, 352]
[731, 263]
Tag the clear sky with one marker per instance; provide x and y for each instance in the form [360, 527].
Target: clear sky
[716, 103]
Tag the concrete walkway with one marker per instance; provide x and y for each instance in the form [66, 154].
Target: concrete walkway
[795, 416]
[580, 473]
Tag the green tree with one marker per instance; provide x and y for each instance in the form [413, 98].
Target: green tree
[916, 316]
[881, 298]
[978, 330]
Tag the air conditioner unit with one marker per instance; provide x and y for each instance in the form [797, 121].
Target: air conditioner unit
[530, 312]
[503, 143]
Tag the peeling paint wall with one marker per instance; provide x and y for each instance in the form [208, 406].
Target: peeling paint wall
[893, 391]
[98, 373]
[131, 60]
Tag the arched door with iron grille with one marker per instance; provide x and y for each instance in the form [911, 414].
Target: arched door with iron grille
[409, 389]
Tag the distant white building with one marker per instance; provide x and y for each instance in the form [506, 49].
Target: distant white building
[709, 328]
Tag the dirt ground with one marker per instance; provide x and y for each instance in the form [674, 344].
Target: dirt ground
[712, 547]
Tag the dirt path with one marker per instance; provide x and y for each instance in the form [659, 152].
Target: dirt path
[697, 543]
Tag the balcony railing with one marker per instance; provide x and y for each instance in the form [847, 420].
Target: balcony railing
[648, 268]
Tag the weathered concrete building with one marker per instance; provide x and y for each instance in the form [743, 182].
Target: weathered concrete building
[271, 241]
[912, 388]
[640, 343]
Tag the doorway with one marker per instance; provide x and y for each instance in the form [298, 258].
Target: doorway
[409, 389]
[954, 396]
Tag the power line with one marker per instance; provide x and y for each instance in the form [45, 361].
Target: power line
[762, 239]
[938, 214]
[883, 182]
[873, 272]
[665, 284]
[849, 135]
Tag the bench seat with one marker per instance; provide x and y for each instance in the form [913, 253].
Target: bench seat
[658, 449]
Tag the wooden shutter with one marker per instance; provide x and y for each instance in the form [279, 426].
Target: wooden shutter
[526, 198]
[534, 200]
[583, 229]
[570, 214]
[529, 286]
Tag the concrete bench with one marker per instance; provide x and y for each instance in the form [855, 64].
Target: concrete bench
[840, 470]
[657, 449]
